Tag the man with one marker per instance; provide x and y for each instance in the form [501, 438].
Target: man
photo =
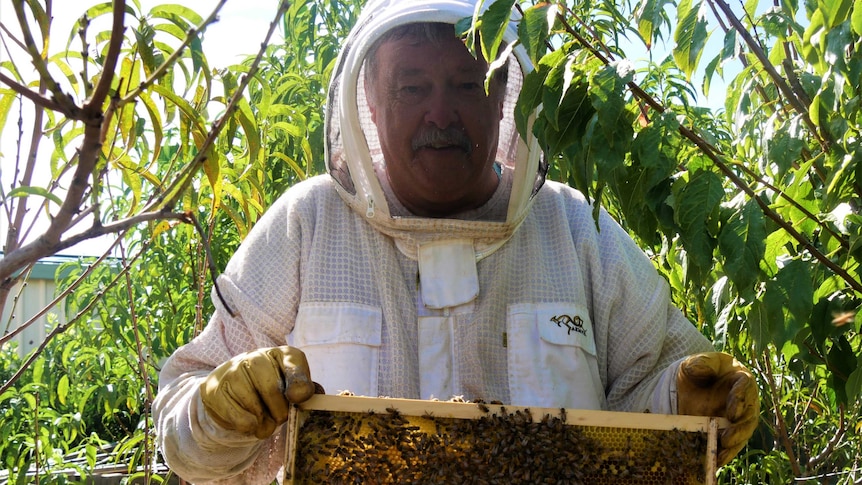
[432, 261]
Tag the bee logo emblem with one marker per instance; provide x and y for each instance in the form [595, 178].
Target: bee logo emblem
[571, 324]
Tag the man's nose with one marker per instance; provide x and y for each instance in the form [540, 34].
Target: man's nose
[442, 109]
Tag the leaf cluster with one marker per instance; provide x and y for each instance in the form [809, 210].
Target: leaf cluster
[750, 211]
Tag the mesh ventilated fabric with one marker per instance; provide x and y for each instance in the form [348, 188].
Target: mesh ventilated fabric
[336, 243]
[310, 247]
[353, 149]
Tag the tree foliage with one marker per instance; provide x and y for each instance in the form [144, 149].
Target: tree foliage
[750, 211]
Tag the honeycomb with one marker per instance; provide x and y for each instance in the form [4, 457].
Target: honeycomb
[493, 444]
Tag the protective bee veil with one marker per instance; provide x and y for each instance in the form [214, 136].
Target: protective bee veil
[355, 160]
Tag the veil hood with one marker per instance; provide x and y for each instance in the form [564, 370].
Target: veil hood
[354, 157]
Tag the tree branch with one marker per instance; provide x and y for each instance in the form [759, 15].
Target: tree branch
[38, 249]
[714, 155]
[93, 108]
[62, 328]
[772, 72]
[783, 437]
[37, 99]
[68, 105]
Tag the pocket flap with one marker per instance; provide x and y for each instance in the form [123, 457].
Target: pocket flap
[566, 325]
[334, 323]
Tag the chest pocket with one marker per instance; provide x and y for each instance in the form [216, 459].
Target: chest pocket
[342, 344]
[552, 357]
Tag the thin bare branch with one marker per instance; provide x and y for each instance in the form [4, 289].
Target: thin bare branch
[37, 99]
[12, 37]
[62, 328]
[56, 301]
[717, 158]
[63, 99]
[772, 72]
[781, 432]
[93, 108]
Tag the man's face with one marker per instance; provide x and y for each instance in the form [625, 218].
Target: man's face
[438, 130]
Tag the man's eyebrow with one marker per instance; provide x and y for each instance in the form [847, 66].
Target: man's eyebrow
[418, 71]
[409, 71]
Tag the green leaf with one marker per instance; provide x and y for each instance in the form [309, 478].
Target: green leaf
[6, 100]
[795, 282]
[554, 89]
[155, 124]
[534, 29]
[835, 11]
[742, 242]
[854, 382]
[24, 191]
[694, 205]
[651, 15]
[178, 14]
[250, 128]
[690, 36]
[63, 388]
[532, 91]
[842, 361]
[812, 40]
[759, 326]
[606, 94]
[493, 26]
[856, 17]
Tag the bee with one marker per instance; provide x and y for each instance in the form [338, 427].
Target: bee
[843, 318]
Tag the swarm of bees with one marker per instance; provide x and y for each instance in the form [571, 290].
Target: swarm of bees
[507, 447]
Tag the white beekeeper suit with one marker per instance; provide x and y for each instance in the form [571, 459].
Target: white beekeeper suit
[522, 300]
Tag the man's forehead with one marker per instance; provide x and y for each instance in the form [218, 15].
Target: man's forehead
[450, 51]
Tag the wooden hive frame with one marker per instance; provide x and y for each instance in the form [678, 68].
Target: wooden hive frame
[367, 406]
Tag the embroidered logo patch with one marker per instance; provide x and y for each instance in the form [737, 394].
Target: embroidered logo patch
[571, 324]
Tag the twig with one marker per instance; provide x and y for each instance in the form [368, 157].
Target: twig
[37, 99]
[772, 72]
[56, 301]
[68, 106]
[210, 261]
[779, 417]
[62, 328]
[142, 367]
[93, 108]
[33, 251]
[815, 461]
[714, 155]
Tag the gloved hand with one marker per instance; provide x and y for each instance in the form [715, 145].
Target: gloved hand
[252, 392]
[716, 384]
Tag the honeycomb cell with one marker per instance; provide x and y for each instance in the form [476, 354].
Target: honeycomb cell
[501, 446]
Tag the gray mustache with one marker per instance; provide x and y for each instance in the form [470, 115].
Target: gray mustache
[435, 137]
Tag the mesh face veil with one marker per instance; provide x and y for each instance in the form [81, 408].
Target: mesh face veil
[355, 159]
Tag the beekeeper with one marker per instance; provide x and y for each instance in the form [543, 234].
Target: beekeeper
[433, 260]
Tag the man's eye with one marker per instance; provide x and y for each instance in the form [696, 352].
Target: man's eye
[469, 86]
[411, 89]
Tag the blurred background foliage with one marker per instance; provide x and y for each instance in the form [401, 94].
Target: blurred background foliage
[750, 209]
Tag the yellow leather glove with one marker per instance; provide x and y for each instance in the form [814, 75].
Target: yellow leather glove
[716, 384]
[252, 392]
